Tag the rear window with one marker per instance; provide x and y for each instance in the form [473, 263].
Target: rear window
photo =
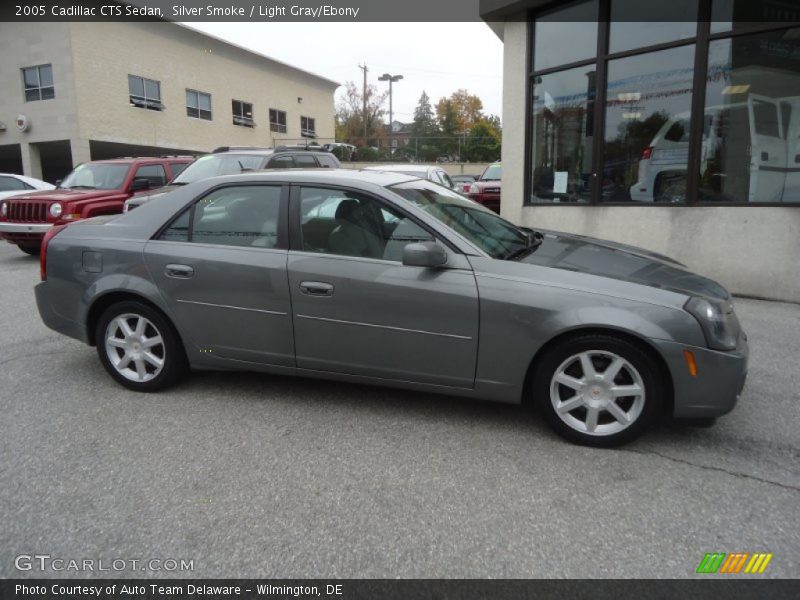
[328, 161]
[213, 165]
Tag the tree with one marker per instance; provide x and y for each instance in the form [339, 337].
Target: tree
[350, 114]
[467, 107]
[483, 142]
[424, 122]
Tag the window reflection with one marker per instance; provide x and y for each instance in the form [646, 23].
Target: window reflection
[648, 103]
[635, 24]
[751, 152]
[576, 23]
[563, 105]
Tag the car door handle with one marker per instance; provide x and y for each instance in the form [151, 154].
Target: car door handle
[179, 271]
[316, 288]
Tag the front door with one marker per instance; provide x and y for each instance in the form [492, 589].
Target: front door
[358, 310]
[221, 268]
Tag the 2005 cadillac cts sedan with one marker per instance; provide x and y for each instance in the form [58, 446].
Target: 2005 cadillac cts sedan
[387, 279]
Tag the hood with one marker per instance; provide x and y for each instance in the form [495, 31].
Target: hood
[66, 195]
[148, 195]
[620, 261]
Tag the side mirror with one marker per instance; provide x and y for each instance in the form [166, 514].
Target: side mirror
[58, 182]
[140, 183]
[424, 254]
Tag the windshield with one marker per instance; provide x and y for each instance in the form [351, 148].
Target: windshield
[212, 165]
[492, 173]
[488, 231]
[97, 176]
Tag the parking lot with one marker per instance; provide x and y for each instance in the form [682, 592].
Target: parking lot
[257, 476]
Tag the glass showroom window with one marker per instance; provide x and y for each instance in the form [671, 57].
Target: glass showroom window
[646, 141]
[562, 136]
[751, 122]
[144, 93]
[38, 83]
[198, 105]
[242, 113]
[277, 120]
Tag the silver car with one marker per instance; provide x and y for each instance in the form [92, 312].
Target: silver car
[387, 279]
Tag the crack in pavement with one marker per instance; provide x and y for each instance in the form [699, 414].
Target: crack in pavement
[682, 461]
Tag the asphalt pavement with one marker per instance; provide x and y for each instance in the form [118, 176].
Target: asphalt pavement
[250, 475]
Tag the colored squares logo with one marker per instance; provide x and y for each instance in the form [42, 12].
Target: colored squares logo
[737, 562]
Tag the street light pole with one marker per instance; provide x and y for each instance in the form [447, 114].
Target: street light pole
[391, 79]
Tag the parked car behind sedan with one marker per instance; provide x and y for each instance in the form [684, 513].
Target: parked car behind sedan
[462, 182]
[228, 160]
[12, 184]
[434, 174]
[387, 279]
[98, 187]
[486, 190]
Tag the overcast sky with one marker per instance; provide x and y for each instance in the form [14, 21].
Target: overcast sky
[436, 57]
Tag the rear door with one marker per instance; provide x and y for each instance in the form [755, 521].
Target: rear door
[790, 113]
[221, 269]
[768, 149]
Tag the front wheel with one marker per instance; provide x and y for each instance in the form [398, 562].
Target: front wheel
[598, 390]
[139, 347]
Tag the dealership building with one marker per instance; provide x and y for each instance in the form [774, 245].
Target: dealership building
[73, 92]
[672, 126]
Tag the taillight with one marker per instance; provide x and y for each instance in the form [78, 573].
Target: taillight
[647, 153]
[51, 233]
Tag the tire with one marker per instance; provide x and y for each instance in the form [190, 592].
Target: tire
[133, 359]
[568, 402]
[32, 250]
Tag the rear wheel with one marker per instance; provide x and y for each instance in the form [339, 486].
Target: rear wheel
[32, 250]
[139, 347]
[598, 390]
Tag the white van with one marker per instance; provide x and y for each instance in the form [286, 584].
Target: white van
[751, 147]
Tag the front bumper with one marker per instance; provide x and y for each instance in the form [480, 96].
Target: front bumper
[8, 227]
[23, 233]
[719, 382]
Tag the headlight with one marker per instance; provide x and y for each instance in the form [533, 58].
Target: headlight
[3, 209]
[718, 321]
[55, 210]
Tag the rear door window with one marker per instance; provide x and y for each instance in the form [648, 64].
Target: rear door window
[282, 162]
[306, 161]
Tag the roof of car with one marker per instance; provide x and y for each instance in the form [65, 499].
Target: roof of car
[325, 176]
[130, 159]
[403, 167]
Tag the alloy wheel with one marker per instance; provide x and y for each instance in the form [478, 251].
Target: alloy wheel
[135, 347]
[597, 392]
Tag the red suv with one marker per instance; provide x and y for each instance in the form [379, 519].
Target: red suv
[95, 188]
[486, 190]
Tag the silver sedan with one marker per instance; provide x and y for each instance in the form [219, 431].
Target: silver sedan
[387, 279]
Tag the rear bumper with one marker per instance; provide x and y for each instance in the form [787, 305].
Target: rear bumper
[23, 233]
[719, 382]
[46, 302]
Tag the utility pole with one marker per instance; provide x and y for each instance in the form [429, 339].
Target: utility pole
[364, 97]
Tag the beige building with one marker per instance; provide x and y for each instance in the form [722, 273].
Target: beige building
[73, 92]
